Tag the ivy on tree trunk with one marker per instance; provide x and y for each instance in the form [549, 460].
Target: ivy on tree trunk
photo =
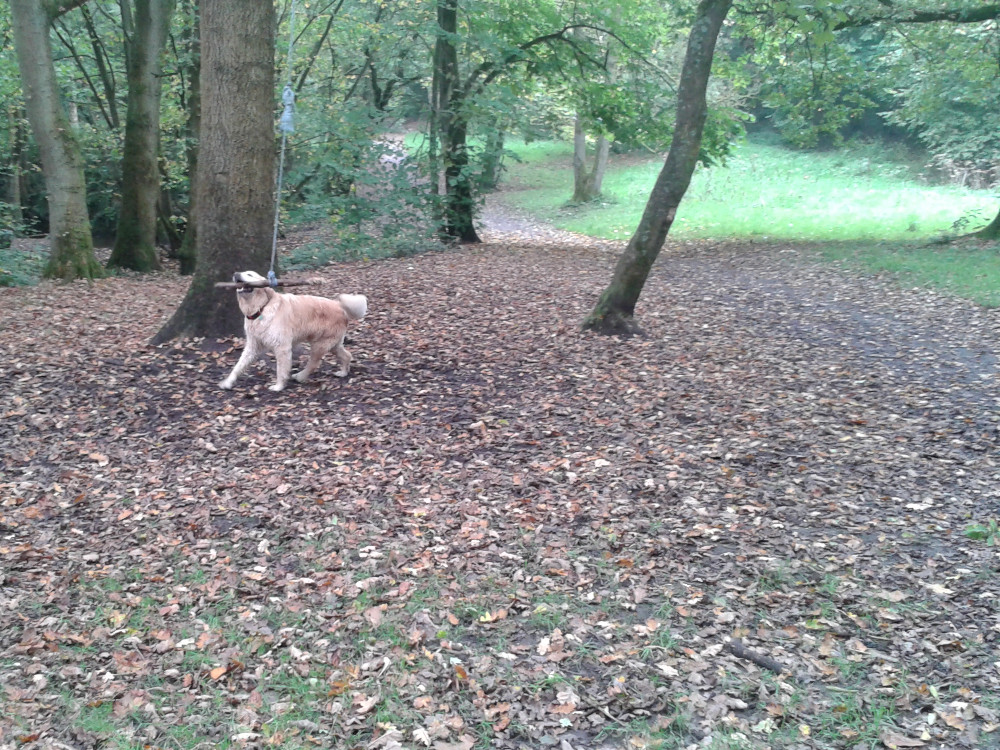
[616, 307]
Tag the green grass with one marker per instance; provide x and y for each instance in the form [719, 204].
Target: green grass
[763, 192]
[866, 209]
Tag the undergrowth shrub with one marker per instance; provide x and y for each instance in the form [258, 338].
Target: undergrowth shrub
[21, 267]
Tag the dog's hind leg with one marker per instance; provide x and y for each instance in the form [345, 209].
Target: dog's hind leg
[317, 350]
[250, 353]
[344, 358]
[284, 356]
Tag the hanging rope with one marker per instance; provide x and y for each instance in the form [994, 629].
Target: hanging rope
[286, 125]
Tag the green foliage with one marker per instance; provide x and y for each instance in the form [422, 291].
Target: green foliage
[938, 81]
[949, 86]
[988, 532]
[529, 68]
[811, 88]
[19, 267]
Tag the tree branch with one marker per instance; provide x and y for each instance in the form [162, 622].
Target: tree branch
[56, 8]
[981, 14]
[487, 71]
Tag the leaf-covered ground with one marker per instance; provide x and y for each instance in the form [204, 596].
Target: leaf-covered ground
[768, 523]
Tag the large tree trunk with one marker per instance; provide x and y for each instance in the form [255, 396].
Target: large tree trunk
[235, 184]
[452, 124]
[587, 182]
[615, 308]
[72, 245]
[135, 240]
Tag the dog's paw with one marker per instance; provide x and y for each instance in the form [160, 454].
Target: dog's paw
[226, 385]
[301, 377]
[277, 387]
[340, 374]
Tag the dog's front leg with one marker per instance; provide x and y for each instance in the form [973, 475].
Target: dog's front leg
[250, 353]
[284, 356]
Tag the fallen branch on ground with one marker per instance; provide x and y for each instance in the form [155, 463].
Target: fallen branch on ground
[737, 649]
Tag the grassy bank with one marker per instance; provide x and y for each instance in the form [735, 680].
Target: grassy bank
[877, 211]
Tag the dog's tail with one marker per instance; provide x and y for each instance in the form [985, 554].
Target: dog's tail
[355, 305]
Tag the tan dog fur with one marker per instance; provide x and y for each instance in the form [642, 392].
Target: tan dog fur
[278, 322]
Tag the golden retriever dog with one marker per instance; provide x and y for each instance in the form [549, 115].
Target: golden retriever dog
[278, 322]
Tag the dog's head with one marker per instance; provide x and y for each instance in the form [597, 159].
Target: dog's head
[250, 280]
[253, 294]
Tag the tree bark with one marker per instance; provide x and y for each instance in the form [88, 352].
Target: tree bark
[236, 160]
[188, 252]
[614, 312]
[459, 197]
[135, 239]
[72, 245]
[991, 231]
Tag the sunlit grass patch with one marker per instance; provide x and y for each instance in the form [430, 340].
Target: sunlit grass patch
[763, 192]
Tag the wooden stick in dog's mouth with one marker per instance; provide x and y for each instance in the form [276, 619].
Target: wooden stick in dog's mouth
[241, 285]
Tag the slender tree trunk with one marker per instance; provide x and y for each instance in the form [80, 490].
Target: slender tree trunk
[460, 202]
[492, 160]
[236, 160]
[188, 250]
[104, 74]
[461, 213]
[615, 308]
[135, 240]
[587, 182]
[434, 138]
[72, 245]
[15, 166]
[164, 221]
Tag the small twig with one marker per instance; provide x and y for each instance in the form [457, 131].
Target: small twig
[601, 709]
[737, 649]
[289, 282]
